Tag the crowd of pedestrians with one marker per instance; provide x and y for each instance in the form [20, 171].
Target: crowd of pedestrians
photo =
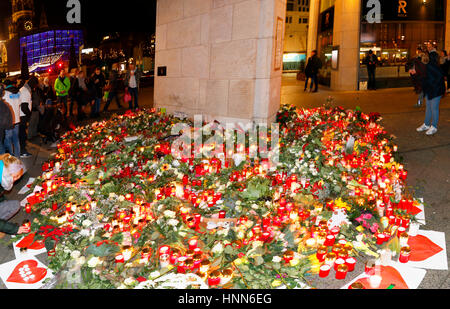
[40, 106]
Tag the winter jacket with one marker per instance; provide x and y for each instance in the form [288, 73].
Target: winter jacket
[114, 80]
[25, 101]
[434, 83]
[421, 73]
[6, 119]
[8, 227]
[99, 82]
[313, 66]
[62, 87]
[371, 61]
[12, 98]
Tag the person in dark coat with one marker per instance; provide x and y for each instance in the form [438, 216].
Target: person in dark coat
[99, 81]
[114, 87]
[418, 75]
[371, 61]
[6, 119]
[312, 70]
[80, 94]
[445, 66]
[433, 89]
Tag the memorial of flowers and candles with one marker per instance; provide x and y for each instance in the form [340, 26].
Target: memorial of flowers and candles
[117, 207]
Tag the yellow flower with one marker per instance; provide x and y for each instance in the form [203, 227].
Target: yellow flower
[165, 167]
[294, 262]
[315, 264]
[341, 204]
[276, 283]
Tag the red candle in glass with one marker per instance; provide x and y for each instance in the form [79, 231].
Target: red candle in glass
[197, 218]
[341, 272]
[335, 230]
[222, 214]
[28, 208]
[120, 258]
[400, 230]
[321, 252]
[164, 250]
[350, 262]
[380, 238]
[338, 262]
[404, 255]
[193, 244]
[324, 270]
[329, 241]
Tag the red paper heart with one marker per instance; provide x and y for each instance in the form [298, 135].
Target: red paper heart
[422, 248]
[17, 276]
[389, 275]
[414, 210]
[29, 243]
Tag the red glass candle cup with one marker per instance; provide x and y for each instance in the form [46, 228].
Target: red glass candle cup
[324, 270]
[350, 262]
[380, 238]
[222, 214]
[330, 240]
[321, 252]
[338, 262]
[404, 255]
[341, 272]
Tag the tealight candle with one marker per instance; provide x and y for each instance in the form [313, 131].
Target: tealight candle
[330, 240]
[120, 258]
[222, 214]
[403, 239]
[330, 257]
[214, 278]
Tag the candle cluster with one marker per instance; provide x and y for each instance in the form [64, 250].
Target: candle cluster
[241, 222]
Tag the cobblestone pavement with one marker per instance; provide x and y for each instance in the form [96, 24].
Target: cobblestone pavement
[426, 158]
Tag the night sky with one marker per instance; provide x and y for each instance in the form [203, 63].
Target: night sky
[98, 17]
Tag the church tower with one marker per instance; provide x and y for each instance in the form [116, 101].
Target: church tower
[22, 17]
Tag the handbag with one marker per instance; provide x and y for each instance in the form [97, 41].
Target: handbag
[127, 97]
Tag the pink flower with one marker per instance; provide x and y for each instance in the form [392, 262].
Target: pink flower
[374, 228]
[367, 216]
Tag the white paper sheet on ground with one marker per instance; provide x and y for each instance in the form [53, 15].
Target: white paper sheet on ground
[411, 275]
[421, 215]
[27, 253]
[24, 202]
[25, 189]
[26, 273]
[437, 261]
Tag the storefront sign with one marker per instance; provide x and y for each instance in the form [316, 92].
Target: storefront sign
[403, 10]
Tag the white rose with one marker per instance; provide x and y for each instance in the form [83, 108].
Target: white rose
[75, 254]
[121, 198]
[129, 281]
[169, 214]
[173, 222]
[87, 223]
[81, 260]
[94, 261]
[85, 233]
[218, 248]
[276, 259]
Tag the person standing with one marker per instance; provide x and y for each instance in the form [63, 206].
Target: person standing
[99, 81]
[434, 89]
[444, 63]
[62, 87]
[73, 77]
[80, 94]
[114, 87]
[6, 119]
[132, 80]
[418, 75]
[11, 97]
[312, 70]
[26, 100]
[371, 62]
[36, 100]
